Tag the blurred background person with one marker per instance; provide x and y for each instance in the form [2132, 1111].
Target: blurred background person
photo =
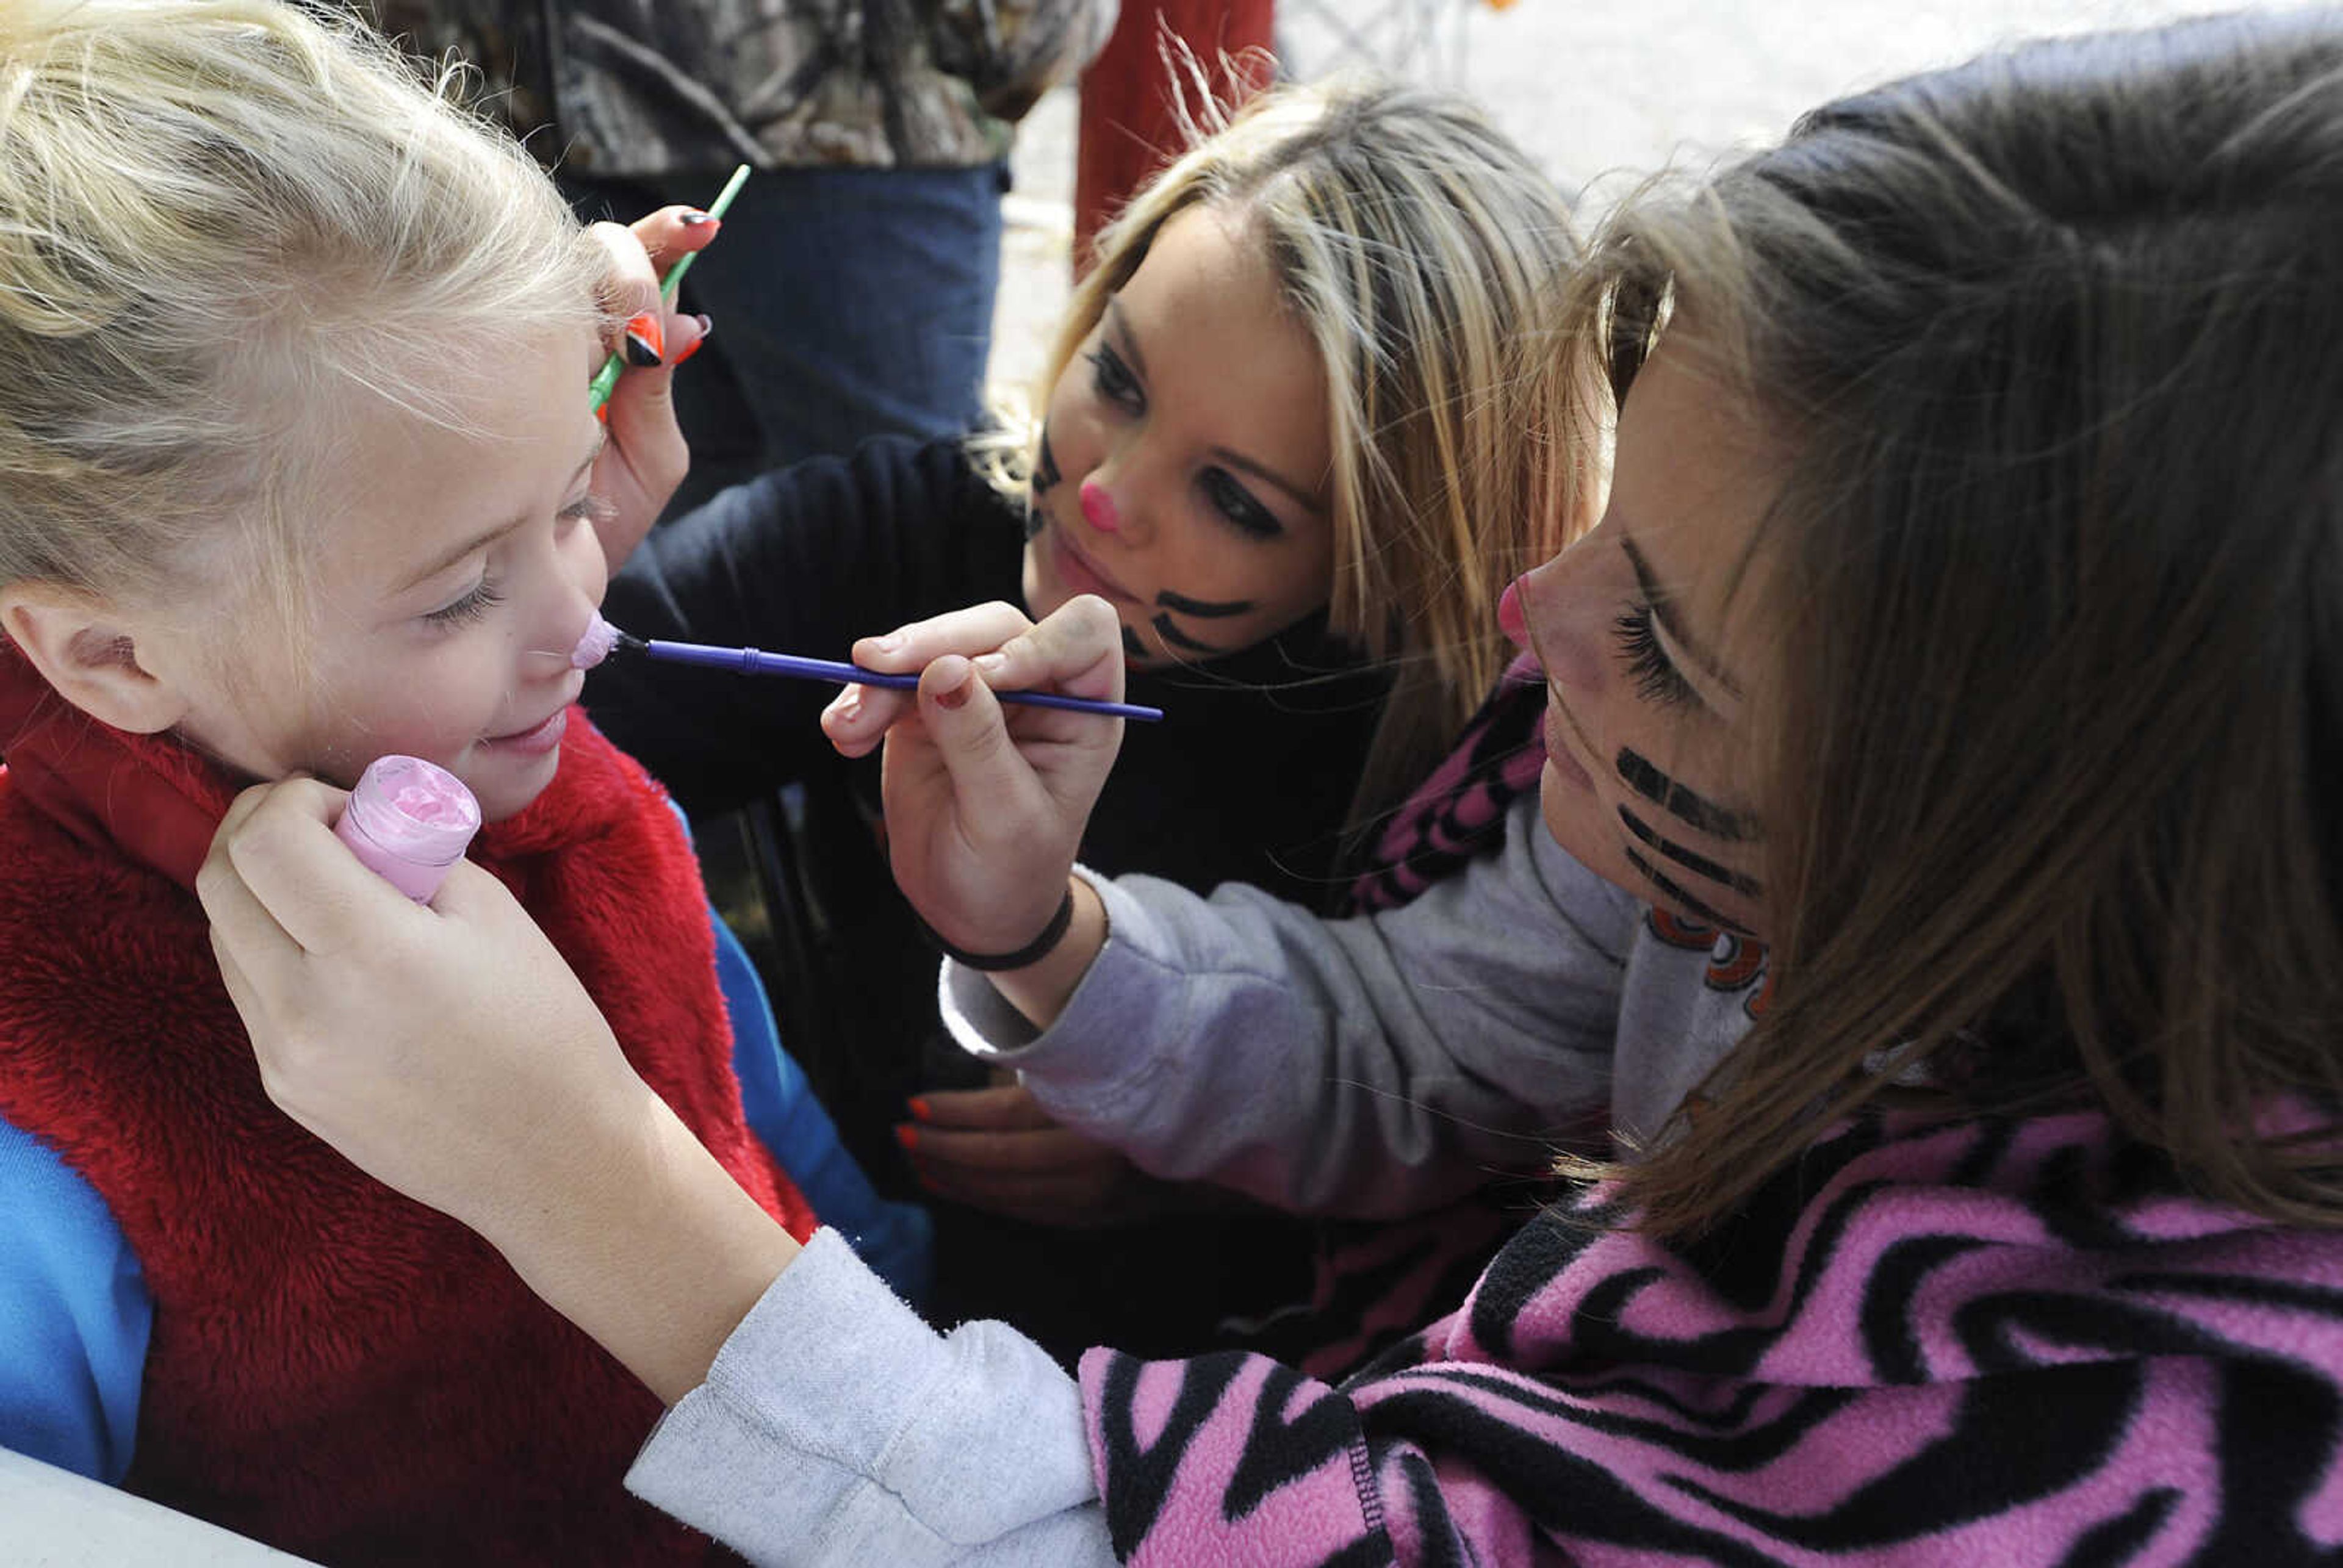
[853, 293]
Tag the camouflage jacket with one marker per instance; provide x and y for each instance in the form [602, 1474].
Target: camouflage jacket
[645, 87]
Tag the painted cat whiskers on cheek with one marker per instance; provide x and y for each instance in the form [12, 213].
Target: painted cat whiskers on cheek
[1692, 860]
[1174, 637]
[1202, 609]
[1046, 478]
[1645, 779]
[1641, 775]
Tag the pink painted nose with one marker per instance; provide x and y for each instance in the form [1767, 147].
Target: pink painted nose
[1097, 508]
[1510, 619]
[595, 647]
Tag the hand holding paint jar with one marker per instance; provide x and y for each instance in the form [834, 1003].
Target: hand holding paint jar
[410, 821]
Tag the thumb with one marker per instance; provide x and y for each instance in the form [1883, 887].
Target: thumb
[641, 409]
[964, 721]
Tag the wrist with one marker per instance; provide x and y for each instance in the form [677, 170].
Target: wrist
[651, 1247]
[1040, 990]
[1031, 953]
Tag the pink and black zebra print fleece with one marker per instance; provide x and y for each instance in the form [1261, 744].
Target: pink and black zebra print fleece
[1986, 1342]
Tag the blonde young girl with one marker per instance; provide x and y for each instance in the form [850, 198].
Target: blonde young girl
[297, 468]
[1962, 626]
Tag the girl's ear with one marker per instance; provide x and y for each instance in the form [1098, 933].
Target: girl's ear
[88, 649]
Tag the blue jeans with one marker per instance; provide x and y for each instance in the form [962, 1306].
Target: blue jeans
[848, 303]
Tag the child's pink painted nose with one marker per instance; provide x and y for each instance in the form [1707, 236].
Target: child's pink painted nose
[595, 647]
[1097, 508]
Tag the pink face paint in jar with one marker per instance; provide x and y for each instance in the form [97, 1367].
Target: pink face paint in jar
[410, 820]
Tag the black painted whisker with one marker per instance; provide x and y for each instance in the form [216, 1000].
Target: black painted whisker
[1699, 864]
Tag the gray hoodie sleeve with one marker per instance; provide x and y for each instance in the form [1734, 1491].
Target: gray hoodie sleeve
[837, 1427]
[1362, 1067]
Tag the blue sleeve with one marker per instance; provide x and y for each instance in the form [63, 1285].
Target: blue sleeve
[75, 1317]
[897, 1240]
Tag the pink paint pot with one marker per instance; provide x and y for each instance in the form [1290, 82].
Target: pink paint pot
[410, 820]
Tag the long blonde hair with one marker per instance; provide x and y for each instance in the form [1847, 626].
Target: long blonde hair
[1418, 247]
[218, 218]
[2049, 343]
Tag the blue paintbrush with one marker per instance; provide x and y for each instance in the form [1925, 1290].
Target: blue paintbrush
[754, 662]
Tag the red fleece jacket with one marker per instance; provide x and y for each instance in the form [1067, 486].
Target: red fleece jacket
[334, 1369]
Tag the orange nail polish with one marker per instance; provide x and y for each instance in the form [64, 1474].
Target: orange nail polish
[908, 1136]
[919, 1111]
[645, 340]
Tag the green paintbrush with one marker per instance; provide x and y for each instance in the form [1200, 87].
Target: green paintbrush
[606, 380]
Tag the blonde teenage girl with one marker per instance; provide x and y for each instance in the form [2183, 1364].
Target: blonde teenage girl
[1284, 434]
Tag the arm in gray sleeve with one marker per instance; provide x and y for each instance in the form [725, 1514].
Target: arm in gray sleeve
[1363, 1067]
[837, 1427]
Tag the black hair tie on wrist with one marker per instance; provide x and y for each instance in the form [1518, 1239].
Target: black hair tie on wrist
[1032, 952]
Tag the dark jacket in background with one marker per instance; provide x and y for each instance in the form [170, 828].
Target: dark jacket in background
[646, 87]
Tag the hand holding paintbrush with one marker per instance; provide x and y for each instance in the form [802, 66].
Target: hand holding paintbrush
[602, 639]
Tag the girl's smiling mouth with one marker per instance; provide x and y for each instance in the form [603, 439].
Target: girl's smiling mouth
[542, 735]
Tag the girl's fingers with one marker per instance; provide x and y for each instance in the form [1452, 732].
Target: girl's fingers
[858, 718]
[1058, 1201]
[673, 233]
[1024, 1151]
[1001, 1108]
[978, 630]
[630, 282]
[1076, 650]
[277, 861]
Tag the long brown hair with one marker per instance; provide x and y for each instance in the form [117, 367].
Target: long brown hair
[2050, 341]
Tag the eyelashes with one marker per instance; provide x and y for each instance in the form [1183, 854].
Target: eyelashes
[1114, 381]
[1237, 505]
[483, 599]
[486, 595]
[1655, 676]
[589, 507]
